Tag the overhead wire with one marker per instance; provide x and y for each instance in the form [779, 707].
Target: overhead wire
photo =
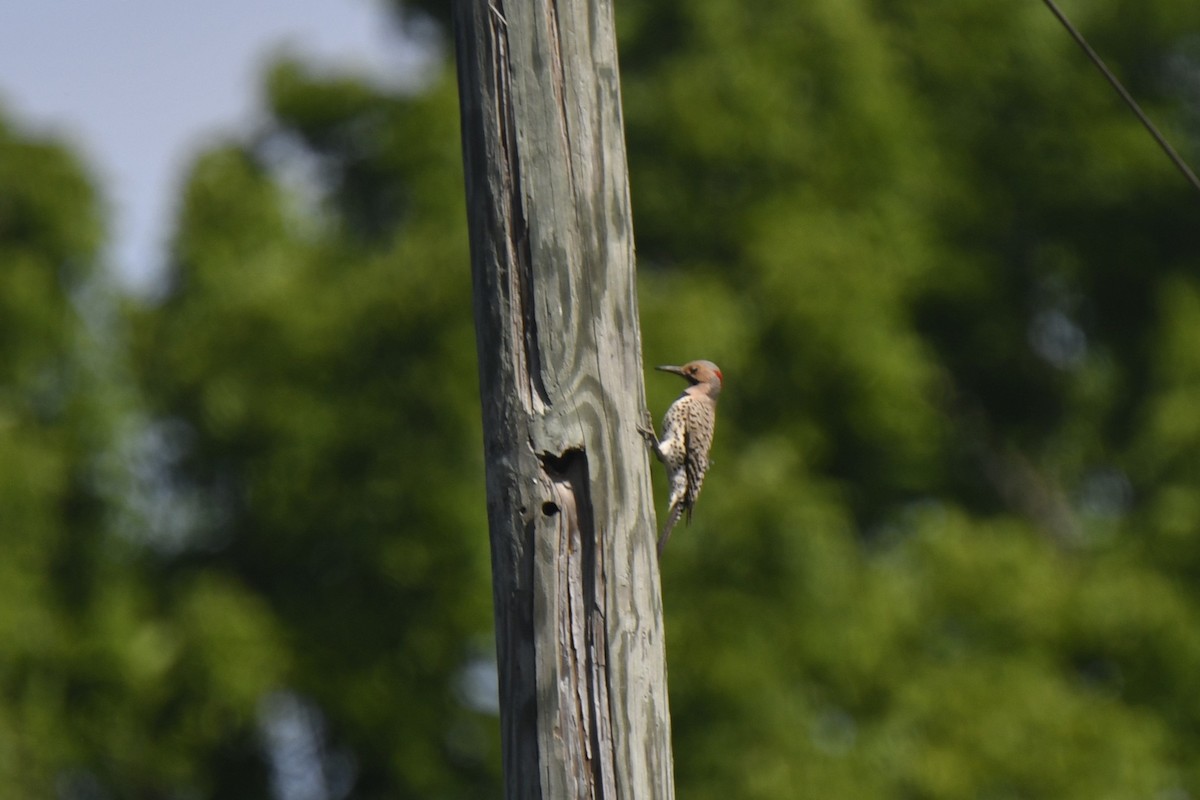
[1177, 159]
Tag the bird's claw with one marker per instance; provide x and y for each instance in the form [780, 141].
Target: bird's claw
[646, 431]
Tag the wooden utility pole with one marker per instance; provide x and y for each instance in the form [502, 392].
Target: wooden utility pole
[583, 689]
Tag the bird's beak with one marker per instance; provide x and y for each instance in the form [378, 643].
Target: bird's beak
[675, 370]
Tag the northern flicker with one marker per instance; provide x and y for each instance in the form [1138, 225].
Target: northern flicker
[687, 434]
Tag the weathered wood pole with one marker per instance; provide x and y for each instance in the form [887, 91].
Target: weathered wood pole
[583, 689]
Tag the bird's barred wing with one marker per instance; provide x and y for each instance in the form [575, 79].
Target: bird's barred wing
[693, 466]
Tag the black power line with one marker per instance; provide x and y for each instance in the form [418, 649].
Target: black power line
[1128, 98]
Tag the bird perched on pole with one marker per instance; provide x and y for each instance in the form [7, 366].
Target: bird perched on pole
[687, 434]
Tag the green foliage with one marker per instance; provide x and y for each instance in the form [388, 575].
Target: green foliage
[323, 367]
[106, 682]
[944, 272]
[949, 545]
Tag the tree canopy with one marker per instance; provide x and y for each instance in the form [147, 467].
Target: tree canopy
[950, 543]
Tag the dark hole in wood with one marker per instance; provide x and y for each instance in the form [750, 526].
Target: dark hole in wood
[549, 509]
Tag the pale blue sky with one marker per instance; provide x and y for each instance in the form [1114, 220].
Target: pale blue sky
[139, 85]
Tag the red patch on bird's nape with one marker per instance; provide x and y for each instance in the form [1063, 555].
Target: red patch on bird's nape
[720, 377]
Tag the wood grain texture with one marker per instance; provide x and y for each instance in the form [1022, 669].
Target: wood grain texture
[578, 607]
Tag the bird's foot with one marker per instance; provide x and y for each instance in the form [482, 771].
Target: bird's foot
[647, 431]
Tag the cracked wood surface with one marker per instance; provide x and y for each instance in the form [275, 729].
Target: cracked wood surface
[583, 689]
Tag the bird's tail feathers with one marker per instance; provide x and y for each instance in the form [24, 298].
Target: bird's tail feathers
[672, 520]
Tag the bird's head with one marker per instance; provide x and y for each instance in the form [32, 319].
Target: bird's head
[704, 374]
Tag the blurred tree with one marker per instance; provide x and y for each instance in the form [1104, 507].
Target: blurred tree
[932, 247]
[48, 233]
[316, 352]
[111, 682]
